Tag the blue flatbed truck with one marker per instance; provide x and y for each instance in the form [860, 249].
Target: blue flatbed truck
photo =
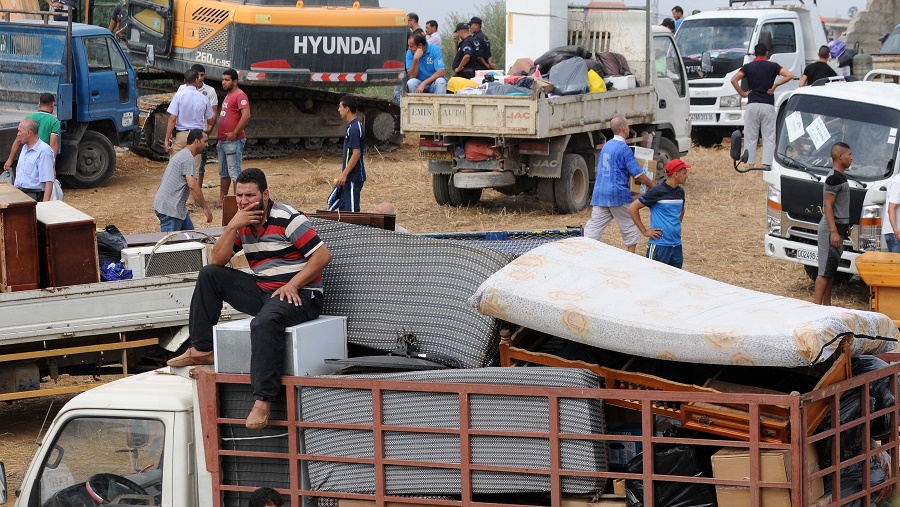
[84, 67]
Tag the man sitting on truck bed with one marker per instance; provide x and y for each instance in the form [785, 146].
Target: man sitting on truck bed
[425, 63]
[287, 258]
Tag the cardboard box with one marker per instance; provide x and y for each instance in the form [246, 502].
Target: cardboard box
[775, 466]
[621, 452]
[644, 157]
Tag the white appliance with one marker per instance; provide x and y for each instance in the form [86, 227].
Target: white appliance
[144, 261]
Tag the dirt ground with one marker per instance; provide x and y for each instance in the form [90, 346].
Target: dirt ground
[724, 226]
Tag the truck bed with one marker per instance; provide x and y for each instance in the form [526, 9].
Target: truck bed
[522, 116]
[10, 118]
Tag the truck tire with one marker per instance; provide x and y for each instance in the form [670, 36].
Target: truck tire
[96, 162]
[440, 184]
[812, 272]
[572, 189]
[706, 138]
[463, 196]
[667, 152]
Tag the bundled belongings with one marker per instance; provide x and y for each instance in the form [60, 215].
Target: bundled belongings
[614, 64]
[570, 77]
[548, 60]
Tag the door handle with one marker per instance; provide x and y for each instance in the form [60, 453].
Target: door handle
[95, 93]
[662, 104]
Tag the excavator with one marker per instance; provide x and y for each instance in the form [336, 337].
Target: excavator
[294, 58]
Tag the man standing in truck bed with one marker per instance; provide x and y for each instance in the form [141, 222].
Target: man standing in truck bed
[835, 224]
[287, 258]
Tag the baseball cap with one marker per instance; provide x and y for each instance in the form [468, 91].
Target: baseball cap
[462, 26]
[675, 165]
[475, 19]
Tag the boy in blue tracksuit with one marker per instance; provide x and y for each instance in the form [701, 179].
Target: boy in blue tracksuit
[666, 203]
[353, 171]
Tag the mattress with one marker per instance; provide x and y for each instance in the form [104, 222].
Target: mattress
[386, 283]
[589, 292]
[441, 410]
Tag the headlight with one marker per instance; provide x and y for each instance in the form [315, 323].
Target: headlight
[773, 211]
[870, 228]
[730, 101]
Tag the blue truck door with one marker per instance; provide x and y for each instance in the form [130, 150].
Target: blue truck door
[109, 86]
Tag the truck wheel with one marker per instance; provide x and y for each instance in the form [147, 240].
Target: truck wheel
[706, 138]
[463, 196]
[813, 271]
[572, 190]
[440, 184]
[96, 162]
[667, 152]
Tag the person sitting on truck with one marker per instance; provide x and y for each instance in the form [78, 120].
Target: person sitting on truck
[834, 226]
[178, 181]
[189, 110]
[666, 203]
[265, 497]
[34, 172]
[48, 127]
[759, 118]
[287, 258]
[464, 62]
[426, 62]
[818, 69]
[612, 193]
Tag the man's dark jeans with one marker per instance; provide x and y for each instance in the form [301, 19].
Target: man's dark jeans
[216, 284]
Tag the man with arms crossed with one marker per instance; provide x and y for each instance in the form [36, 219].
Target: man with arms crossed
[835, 224]
[287, 258]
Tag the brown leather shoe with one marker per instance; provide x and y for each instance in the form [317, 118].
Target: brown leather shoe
[192, 357]
[258, 418]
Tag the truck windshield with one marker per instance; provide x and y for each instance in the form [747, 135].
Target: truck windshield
[96, 458]
[808, 126]
[726, 40]
[892, 44]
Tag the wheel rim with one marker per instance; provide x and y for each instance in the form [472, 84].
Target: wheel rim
[579, 185]
[91, 160]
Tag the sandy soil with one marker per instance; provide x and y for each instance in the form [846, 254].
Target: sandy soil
[723, 229]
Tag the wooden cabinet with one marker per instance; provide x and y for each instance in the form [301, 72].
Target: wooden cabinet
[881, 272]
[18, 240]
[67, 240]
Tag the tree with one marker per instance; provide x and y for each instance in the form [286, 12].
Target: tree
[493, 15]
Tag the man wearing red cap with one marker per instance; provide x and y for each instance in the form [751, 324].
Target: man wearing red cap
[666, 203]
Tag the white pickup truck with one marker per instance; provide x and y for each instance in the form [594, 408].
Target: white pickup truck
[551, 144]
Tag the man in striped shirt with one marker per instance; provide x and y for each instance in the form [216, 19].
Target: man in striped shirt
[287, 258]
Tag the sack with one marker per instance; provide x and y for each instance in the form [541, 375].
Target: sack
[110, 271]
[6, 177]
[543, 85]
[596, 82]
[479, 149]
[457, 83]
[570, 77]
[110, 243]
[614, 64]
[556, 55]
[57, 194]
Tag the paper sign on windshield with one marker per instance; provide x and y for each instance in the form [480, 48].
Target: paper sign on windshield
[794, 123]
[818, 132]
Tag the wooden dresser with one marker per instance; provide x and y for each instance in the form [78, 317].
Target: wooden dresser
[68, 245]
[18, 240]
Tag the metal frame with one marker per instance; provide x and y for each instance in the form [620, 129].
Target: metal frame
[796, 404]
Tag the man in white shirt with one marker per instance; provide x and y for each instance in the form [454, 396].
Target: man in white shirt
[189, 110]
[210, 93]
[431, 33]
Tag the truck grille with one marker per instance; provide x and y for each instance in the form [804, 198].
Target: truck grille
[703, 101]
[219, 42]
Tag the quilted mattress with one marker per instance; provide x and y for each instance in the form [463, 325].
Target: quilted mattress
[385, 282]
[589, 292]
[352, 406]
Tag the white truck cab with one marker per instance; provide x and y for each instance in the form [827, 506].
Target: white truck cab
[715, 44]
[810, 120]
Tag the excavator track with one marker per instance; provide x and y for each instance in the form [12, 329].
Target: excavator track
[283, 120]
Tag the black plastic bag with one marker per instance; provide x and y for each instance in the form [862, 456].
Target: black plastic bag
[546, 61]
[674, 459]
[110, 243]
[570, 77]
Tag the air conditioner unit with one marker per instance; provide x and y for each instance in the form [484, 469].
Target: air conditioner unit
[170, 259]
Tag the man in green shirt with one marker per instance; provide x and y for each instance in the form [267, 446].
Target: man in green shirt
[48, 127]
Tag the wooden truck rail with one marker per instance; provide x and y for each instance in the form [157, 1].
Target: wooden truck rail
[523, 116]
[799, 478]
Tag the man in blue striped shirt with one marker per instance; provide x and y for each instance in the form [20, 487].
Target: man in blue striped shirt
[666, 203]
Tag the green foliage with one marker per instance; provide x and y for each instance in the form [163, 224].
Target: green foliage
[493, 15]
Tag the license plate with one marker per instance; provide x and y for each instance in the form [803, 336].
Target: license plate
[703, 117]
[808, 255]
[434, 155]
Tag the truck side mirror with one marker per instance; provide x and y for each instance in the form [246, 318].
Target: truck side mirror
[705, 63]
[151, 55]
[3, 496]
[736, 144]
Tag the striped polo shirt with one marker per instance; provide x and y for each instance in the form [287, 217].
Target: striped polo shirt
[281, 249]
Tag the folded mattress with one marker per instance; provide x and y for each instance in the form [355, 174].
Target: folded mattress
[441, 410]
[589, 292]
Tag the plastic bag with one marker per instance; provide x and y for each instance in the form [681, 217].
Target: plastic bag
[596, 82]
[548, 60]
[6, 177]
[570, 77]
[111, 271]
[57, 194]
[479, 149]
[110, 243]
[673, 459]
